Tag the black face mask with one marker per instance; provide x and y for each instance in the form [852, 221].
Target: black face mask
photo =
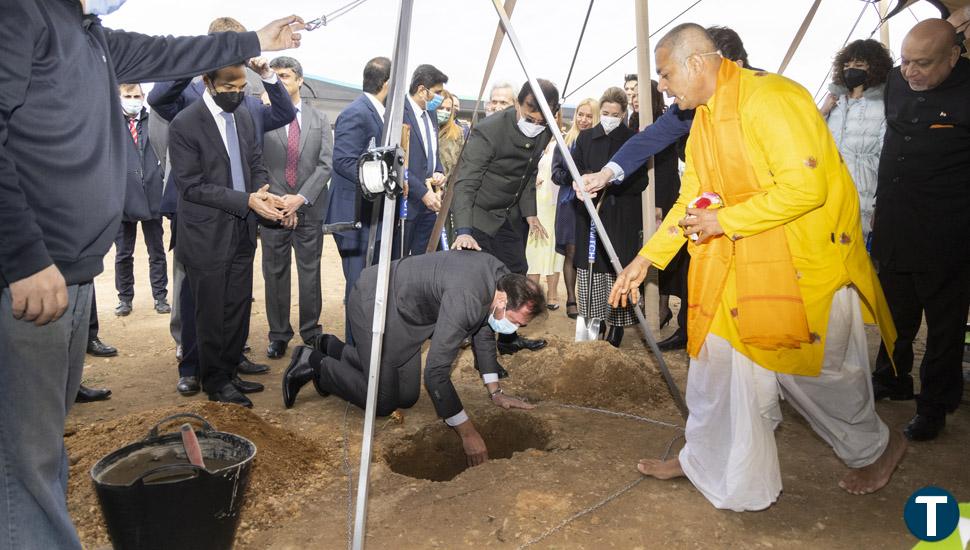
[228, 101]
[854, 77]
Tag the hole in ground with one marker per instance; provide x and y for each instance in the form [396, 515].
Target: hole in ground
[436, 453]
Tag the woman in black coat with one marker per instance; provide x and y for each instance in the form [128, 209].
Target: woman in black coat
[620, 211]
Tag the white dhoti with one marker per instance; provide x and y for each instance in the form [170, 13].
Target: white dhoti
[730, 453]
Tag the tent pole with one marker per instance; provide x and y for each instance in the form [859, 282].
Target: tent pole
[651, 295]
[391, 135]
[798, 36]
[884, 29]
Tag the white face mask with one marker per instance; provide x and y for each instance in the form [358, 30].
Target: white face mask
[131, 106]
[610, 123]
[529, 129]
[101, 7]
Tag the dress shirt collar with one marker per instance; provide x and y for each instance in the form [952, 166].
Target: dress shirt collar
[211, 104]
[377, 104]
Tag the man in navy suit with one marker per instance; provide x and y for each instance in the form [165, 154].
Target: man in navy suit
[424, 97]
[218, 166]
[358, 124]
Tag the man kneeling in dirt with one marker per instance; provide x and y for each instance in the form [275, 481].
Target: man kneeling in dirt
[445, 296]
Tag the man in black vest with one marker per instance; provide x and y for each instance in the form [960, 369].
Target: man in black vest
[921, 227]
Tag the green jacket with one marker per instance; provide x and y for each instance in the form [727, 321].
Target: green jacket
[497, 174]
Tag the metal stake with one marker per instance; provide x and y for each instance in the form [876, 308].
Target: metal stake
[574, 172]
[393, 120]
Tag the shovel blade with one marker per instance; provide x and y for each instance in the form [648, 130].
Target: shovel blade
[588, 330]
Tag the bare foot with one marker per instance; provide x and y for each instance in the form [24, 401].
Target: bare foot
[871, 478]
[660, 469]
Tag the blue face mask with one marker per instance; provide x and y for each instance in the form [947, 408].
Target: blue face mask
[435, 102]
[502, 326]
[102, 7]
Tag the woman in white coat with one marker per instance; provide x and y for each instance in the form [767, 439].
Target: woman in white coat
[856, 115]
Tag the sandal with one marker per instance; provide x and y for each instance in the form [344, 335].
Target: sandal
[575, 313]
[552, 307]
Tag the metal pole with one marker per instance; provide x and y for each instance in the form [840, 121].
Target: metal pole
[574, 172]
[798, 36]
[884, 29]
[393, 121]
[648, 199]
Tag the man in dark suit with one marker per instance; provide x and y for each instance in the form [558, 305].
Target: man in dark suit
[358, 124]
[218, 167]
[495, 189]
[424, 97]
[299, 160]
[143, 197]
[445, 296]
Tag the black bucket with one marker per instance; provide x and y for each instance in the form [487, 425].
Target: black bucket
[153, 498]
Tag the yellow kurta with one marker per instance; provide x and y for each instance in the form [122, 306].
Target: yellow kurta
[807, 189]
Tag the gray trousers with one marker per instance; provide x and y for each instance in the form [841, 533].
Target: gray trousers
[175, 321]
[306, 241]
[40, 372]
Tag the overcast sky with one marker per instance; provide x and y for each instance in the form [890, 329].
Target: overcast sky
[455, 35]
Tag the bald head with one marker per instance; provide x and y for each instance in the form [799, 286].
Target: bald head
[685, 40]
[928, 54]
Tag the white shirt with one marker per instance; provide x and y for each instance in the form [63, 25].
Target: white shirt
[377, 104]
[217, 115]
[423, 115]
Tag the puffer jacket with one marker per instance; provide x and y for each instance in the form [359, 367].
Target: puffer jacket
[858, 126]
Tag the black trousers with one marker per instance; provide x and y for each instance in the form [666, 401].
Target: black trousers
[223, 300]
[944, 296]
[93, 324]
[125, 261]
[399, 385]
[507, 244]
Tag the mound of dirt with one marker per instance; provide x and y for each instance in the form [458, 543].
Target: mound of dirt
[287, 467]
[592, 374]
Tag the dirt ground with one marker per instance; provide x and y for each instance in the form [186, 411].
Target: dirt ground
[548, 465]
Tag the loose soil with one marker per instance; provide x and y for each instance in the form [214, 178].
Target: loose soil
[547, 464]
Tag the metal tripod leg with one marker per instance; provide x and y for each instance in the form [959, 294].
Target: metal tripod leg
[393, 120]
[574, 172]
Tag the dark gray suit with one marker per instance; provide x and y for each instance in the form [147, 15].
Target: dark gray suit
[313, 173]
[445, 294]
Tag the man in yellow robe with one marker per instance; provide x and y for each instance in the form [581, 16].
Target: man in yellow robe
[780, 283]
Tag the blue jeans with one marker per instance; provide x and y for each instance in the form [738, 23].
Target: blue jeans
[40, 372]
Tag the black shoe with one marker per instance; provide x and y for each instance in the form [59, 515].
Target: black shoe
[575, 312]
[614, 336]
[123, 308]
[98, 348]
[245, 386]
[248, 367]
[924, 427]
[901, 391]
[519, 344]
[466, 342]
[276, 349]
[246, 348]
[229, 394]
[298, 373]
[327, 344]
[677, 340]
[664, 319]
[89, 395]
[161, 306]
[188, 385]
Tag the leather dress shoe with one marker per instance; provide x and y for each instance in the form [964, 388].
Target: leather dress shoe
[298, 373]
[162, 306]
[327, 344]
[248, 367]
[245, 386]
[89, 395]
[902, 391]
[98, 348]
[677, 340]
[614, 335]
[188, 385]
[519, 344]
[924, 427]
[123, 308]
[276, 349]
[229, 394]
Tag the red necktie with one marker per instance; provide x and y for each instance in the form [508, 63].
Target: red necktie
[133, 128]
[292, 152]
